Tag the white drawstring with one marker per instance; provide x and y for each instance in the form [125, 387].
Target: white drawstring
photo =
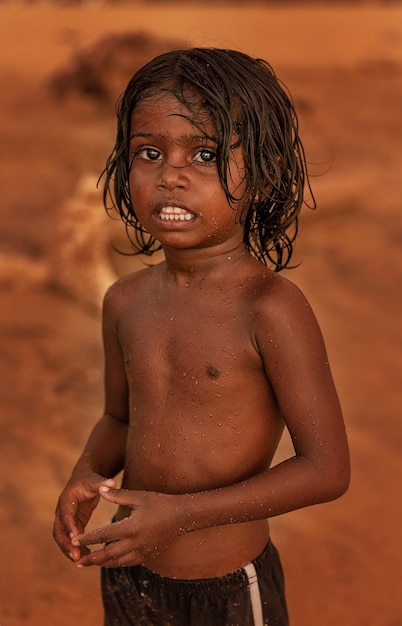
[255, 596]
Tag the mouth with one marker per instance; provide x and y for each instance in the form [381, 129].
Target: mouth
[174, 214]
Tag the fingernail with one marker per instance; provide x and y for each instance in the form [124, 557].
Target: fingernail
[104, 488]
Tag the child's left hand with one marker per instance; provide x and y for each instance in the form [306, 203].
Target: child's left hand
[151, 527]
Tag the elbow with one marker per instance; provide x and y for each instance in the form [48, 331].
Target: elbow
[339, 487]
[336, 483]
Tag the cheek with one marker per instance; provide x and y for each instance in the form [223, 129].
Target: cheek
[139, 186]
[225, 217]
[141, 201]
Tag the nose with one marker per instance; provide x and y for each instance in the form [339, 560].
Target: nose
[173, 177]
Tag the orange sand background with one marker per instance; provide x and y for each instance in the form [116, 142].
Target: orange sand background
[344, 67]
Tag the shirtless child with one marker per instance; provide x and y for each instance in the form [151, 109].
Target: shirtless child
[209, 355]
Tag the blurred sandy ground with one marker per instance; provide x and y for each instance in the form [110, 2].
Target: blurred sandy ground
[344, 68]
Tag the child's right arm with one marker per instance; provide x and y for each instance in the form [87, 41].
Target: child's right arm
[104, 453]
[102, 457]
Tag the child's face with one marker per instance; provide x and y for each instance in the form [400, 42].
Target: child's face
[174, 183]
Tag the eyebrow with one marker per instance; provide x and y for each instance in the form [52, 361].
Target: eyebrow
[182, 140]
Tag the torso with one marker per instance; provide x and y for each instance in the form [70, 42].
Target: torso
[202, 412]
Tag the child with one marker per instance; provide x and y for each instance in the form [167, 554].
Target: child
[208, 355]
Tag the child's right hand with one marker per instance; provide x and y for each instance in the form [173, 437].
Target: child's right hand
[154, 523]
[74, 509]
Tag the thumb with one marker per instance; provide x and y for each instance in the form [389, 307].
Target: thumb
[117, 496]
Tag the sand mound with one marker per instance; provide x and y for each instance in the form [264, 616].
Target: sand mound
[99, 71]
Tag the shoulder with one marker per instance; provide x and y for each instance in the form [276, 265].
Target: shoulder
[126, 291]
[288, 338]
[273, 294]
[281, 311]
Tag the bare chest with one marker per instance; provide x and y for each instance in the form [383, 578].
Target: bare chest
[192, 339]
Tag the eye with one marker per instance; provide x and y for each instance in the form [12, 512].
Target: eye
[205, 156]
[148, 154]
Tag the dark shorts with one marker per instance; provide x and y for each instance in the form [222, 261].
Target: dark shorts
[251, 596]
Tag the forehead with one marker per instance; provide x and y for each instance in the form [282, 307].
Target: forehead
[164, 112]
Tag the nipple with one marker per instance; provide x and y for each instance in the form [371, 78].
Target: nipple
[212, 371]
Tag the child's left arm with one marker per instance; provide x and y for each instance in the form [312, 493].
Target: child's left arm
[295, 359]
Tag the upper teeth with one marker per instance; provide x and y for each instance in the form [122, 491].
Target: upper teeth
[174, 213]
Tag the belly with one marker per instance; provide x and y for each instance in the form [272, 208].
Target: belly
[192, 454]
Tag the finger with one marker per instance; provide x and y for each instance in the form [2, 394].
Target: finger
[128, 555]
[75, 509]
[92, 537]
[90, 487]
[127, 560]
[109, 482]
[63, 540]
[116, 554]
[118, 496]
[111, 532]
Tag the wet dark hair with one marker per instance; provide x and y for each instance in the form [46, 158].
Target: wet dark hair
[244, 99]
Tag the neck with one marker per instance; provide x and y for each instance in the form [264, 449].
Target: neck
[188, 266]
